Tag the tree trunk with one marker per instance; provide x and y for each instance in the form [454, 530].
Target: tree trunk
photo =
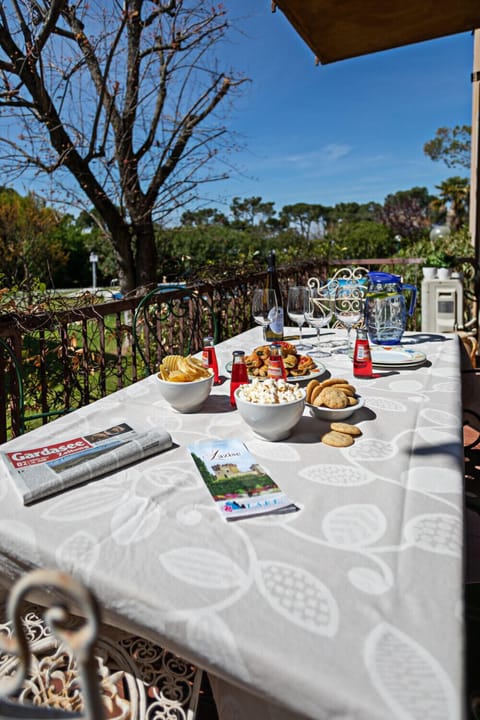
[146, 256]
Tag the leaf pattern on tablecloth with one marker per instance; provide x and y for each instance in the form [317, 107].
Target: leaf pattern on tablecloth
[299, 597]
[409, 679]
[26, 544]
[353, 526]
[181, 476]
[449, 386]
[78, 550]
[91, 502]
[438, 437]
[135, 519]
[203, 568]
[373, 450]
[377, 402]
[208, 631]
[339, 475]
[437, 480]
[163, 418]
[369, 581]
[435, 532]
[438, 417]
[280, 452]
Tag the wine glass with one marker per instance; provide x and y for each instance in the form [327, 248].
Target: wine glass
[297, 306]
[349, 303]
[320, 312]
[264, 307]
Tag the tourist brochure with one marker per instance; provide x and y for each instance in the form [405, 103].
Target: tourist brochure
[239, 486]
[42, 471]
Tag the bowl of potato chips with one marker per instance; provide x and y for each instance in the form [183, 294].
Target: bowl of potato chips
[184, 382]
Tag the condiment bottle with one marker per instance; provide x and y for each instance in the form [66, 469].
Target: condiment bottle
[274, 330]
[276, 368]
[362, 358]
[239, 374]
[209, 357]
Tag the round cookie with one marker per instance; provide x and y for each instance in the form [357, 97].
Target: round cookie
[346, 428]
[333, 381]
[331, 398]
[315, 394]
[309, 390]
[337, 439]
[347, 389]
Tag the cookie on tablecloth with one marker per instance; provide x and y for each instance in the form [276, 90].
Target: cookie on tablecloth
[337, 439]
[346, 428]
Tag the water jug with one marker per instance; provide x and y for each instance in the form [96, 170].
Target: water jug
[385, 308]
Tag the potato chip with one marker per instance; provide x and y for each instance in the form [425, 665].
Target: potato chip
[176, 368]
[171, 361]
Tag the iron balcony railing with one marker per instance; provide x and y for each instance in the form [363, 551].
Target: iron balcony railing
[52, 362]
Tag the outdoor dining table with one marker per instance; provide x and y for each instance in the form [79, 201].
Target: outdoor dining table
[349, 608]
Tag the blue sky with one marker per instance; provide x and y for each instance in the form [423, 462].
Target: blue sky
[348, 131]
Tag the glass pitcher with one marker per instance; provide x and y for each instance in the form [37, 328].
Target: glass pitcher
[386, 309]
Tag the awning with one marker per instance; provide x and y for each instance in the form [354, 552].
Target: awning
[340, 29]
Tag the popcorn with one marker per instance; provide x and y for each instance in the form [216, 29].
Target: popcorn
[270, 392]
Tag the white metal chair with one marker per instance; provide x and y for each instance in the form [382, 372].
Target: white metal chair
[120, 675]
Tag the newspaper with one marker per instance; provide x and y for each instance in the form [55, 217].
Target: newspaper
[42, 471]
[239, 486]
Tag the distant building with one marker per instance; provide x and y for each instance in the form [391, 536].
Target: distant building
[228, 470]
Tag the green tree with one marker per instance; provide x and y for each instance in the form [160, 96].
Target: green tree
[361, 239]
[121, 103]
[407, 212]
[252, 211]
[30, 242]
[452, 201]
[304, 217]
[204, 216]
[451, 146]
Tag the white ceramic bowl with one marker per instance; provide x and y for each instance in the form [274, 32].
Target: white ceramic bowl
[186, 397]
[271, 422]
[324, 413]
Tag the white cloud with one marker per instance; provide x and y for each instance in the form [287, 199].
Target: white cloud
[335, 151]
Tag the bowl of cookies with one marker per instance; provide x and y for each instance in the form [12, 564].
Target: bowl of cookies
[184, 382]
[333, 399]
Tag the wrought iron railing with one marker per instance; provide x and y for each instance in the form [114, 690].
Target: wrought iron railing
[54, 362]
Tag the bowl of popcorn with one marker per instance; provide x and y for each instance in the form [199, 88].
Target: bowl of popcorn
[333, 399]
[271, 408]
[184, 382]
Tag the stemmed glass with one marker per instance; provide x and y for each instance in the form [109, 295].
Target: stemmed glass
[320, 312]
[264, 301]
[297, 306]
[349, 304]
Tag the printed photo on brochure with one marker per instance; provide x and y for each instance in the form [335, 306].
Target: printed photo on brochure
[238, 484]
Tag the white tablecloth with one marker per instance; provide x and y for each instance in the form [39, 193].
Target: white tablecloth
[350, 608]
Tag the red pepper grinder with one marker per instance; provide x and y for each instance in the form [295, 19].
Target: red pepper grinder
[209, 358]
[362, 358]
[239, 374]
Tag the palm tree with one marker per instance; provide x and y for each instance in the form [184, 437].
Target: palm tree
[452, 201]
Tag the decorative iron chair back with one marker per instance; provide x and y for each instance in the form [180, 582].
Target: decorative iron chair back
[345, 274]
[170, 325]
[80, 641]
